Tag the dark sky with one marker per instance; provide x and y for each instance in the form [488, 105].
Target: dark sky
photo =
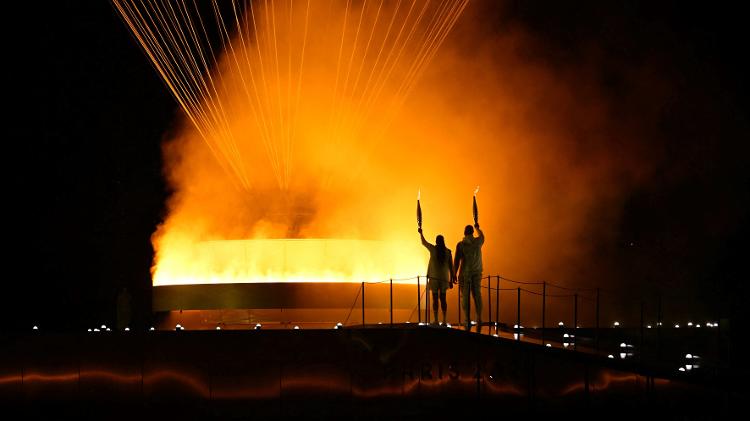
[88, 113]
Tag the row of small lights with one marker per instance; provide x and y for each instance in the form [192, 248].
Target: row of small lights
[677, 325]
[690, 364]
[339, 325]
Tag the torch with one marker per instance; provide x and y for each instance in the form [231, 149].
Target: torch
[419, 209]
[476, 211]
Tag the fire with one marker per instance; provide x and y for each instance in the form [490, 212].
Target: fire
[291, 116]
[306, 124]
[288, 260]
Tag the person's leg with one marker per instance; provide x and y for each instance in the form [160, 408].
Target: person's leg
[476, 286]
[465, 300]
[444, 305]
[434, 306]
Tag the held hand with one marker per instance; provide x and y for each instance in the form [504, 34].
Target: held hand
[476, 225]
[419, 230]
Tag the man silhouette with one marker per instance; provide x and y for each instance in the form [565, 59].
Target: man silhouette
[468, 264]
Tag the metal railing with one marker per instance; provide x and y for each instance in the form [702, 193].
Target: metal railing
[625, 339]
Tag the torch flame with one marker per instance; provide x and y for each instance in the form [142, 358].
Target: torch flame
[419, 194]
[476, 191]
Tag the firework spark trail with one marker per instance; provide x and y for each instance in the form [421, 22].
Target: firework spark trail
[300, 73]
[362, 65]
[425, 55]
[257, 109]
[368, 85]
[336, 84]
[340, 105]
[379, 79]
[448, 25]
[416, 70]
[267, 96]
[278, 81]
[147, 39]
[383, 81]
[371, 61]
[364, 116]
[289, 97]
[214, 99]
[228, 47]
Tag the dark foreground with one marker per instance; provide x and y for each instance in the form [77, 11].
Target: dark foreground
[367, 373]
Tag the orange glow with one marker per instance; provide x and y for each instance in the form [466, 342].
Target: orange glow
[308, 126]
[288, 260]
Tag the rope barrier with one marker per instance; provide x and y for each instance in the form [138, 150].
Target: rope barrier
[353, 304]
[532, 292]
[406, 279]
[570, 289]
[415, 307]
[561, 295]
[519, 282]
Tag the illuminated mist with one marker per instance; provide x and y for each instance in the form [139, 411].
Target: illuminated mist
[332, 143]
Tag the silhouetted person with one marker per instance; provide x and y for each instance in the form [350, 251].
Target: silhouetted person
[469, 266]
[123, 309]
[440, 273]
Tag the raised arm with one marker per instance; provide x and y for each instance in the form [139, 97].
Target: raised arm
[424, 242]
[480, 238]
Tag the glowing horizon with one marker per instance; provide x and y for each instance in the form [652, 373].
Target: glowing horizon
[290, 260]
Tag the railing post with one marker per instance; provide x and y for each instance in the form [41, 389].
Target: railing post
[468, 306]
[458, 285]
[597, 320]
[363, 303]
[427, 301]
[544, 308]
[419, 302]
[658, 328]
[391, 301]
[640, 352]
[497, 305]
[489, 302]
[518, 314]
[575, 320]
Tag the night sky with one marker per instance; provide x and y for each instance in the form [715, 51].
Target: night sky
[88, 114]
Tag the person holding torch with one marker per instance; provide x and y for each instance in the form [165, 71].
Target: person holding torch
[440, 274]
[468, 264]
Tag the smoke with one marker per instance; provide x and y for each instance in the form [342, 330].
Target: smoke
[553, 154]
